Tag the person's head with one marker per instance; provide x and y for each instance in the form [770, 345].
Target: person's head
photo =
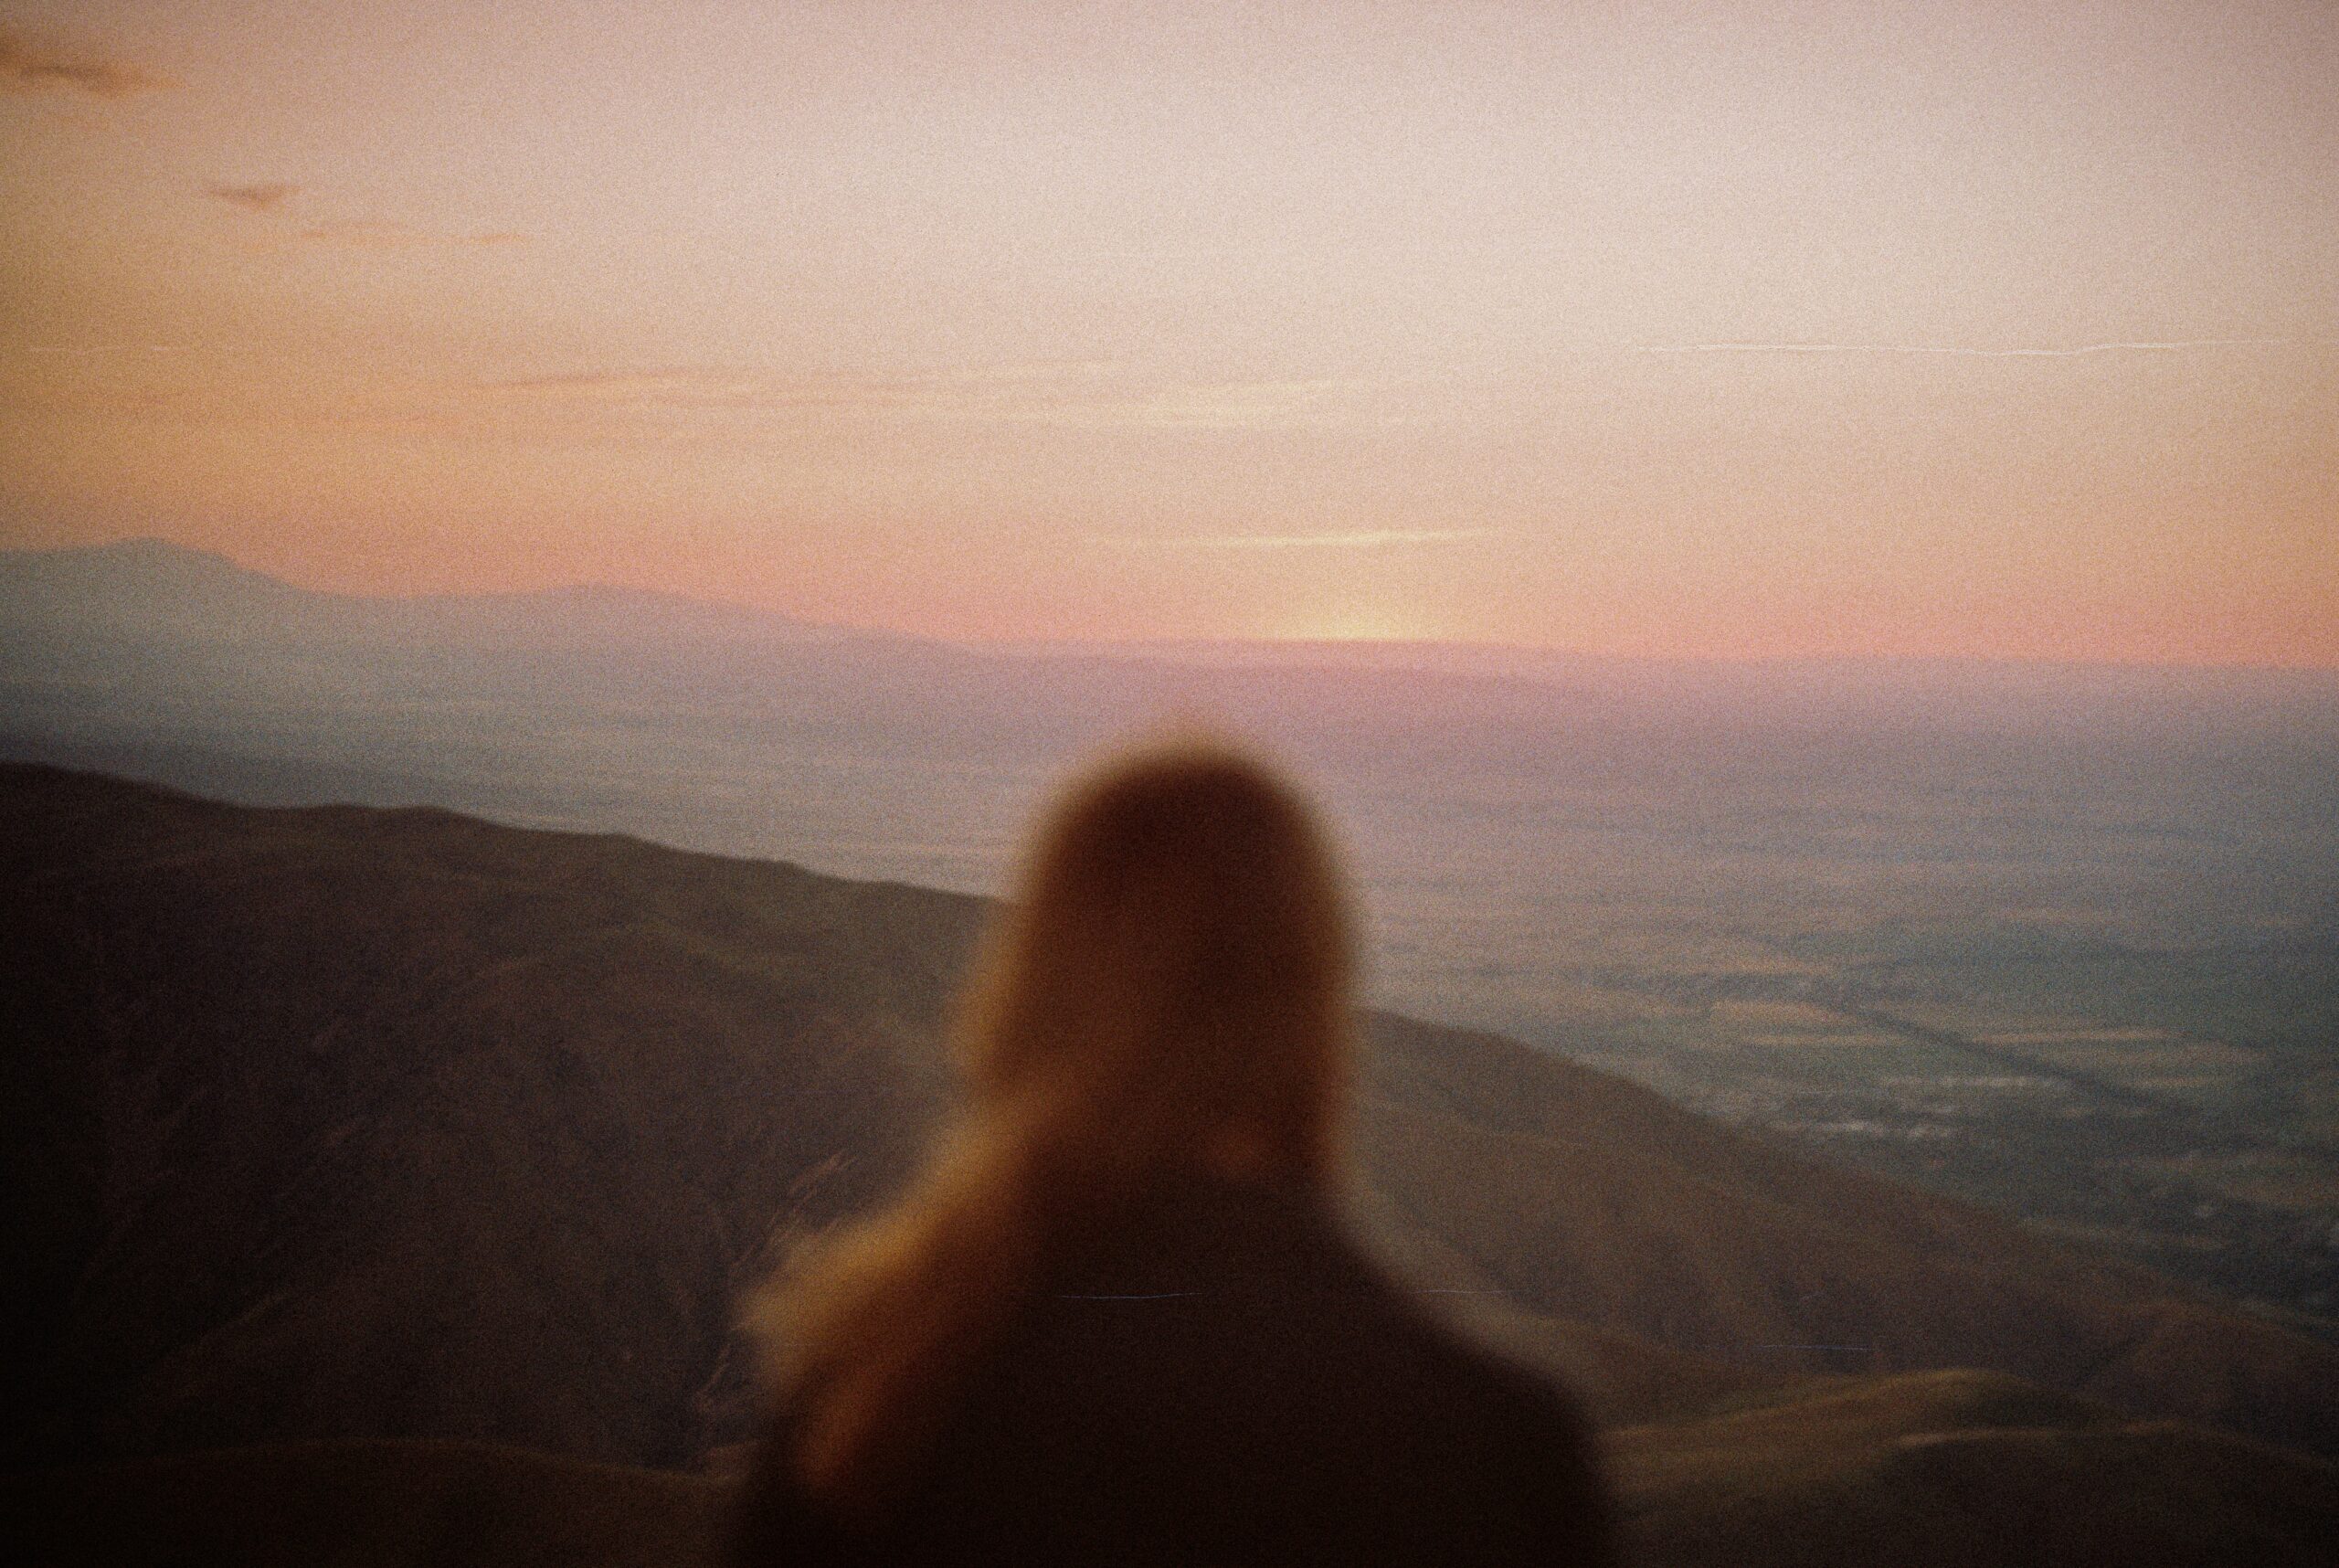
[1168, 992]
[1174, 969]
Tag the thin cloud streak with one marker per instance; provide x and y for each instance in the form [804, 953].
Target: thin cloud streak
[1355, 539]
[1017, 372]
[695, 384]
[2171, 346]
[1225, 406]
[94, 348]
[264, 197]
[1080, 394]
[623, 386]
[374, 234]
[28, 67]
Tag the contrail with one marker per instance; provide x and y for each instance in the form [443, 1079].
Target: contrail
[108, 348]
[1367, 538]
[2140, 345]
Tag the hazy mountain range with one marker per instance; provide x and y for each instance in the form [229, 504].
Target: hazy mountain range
[1489, 796]
[152, 651]
[351, 1124]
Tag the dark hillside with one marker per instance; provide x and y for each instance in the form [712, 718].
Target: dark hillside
[351, 1124]
[1589, 1199]
[341, 1124]
[1929, 1471]
[386, 1505]
[1962, 1469]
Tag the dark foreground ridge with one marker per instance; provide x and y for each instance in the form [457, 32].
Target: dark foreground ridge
[339, 1125]
[1929, 1470]
[390, 1503]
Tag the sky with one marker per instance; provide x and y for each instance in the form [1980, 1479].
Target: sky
[1989, 330]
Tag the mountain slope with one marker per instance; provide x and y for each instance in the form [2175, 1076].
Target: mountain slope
[1592, 1200]
[388, 1503]
[1962, 1470]
[339, 1123]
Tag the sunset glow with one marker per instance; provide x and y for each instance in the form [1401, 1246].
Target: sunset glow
[1933, 330]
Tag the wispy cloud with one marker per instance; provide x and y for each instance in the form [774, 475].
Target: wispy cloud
[1076, 393]
[374, 234]
[1220, 406]
[617, 386]
[264, 197]
[1015, 371]
[82, 350]
[2171, 346]
[31, 65]
[650, 391]
[1353, 539]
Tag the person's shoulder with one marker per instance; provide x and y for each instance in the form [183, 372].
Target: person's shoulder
[1513, 1443]
[1502, 1397]
[1233, 1341]
[1297, 1245]
[1538, 1462]
[1479, 1459]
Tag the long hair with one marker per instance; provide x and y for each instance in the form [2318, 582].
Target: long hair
[1168, 990]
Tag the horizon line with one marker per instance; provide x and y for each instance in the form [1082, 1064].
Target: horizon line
[1026, 645]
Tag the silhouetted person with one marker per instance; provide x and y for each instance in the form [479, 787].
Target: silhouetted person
[1117, 1320]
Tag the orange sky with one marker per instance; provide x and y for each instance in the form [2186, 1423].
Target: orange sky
[1872, 329]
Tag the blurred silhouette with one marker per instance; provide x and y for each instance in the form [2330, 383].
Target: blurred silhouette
[1117, 1319]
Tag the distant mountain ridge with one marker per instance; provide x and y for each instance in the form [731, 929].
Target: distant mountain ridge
[345, 1124]
[153, 587]
[734, 730]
